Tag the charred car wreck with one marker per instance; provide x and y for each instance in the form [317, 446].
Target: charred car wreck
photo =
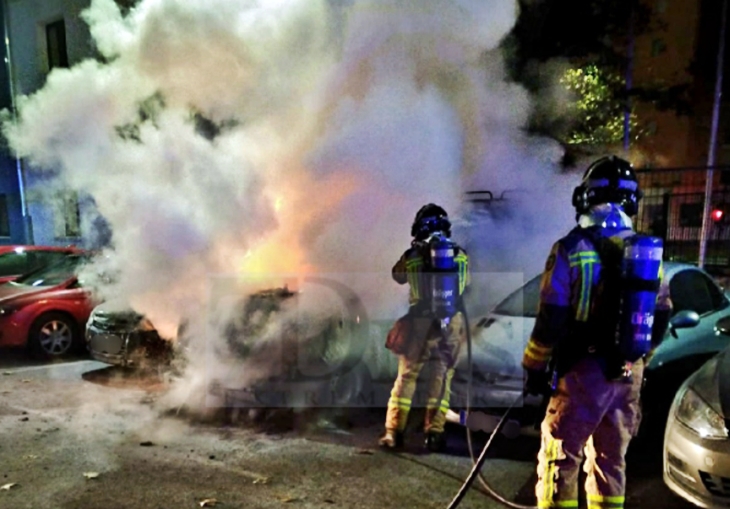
[125, 338]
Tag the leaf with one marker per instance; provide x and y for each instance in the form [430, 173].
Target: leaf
[208, 502]
[287, 499]
[91, 475]
[7, 487]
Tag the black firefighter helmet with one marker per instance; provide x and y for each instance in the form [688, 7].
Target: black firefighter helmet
[609, 179]
[430, 219]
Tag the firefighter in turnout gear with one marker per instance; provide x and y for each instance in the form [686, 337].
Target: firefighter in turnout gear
[431, 332]
[575, 356]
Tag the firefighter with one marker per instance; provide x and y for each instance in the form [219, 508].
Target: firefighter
[572, 356]
[423, 337]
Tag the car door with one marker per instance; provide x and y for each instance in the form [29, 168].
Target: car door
[693, 289]
[499, 339]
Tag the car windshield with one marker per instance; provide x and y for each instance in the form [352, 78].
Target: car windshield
[53, 274]
[523, 301]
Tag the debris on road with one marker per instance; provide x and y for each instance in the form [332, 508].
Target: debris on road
[261, 480]
[6, 373]
[208, 502]
[365, 451]
[91, 475]
[288, 499]
[146, 443]
[6, 487]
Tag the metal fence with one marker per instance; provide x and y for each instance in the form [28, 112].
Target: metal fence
[673, 207]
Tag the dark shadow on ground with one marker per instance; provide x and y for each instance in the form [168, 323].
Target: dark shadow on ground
[18, 357]
[115, 376]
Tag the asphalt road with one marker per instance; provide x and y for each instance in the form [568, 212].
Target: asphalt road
[78, 434]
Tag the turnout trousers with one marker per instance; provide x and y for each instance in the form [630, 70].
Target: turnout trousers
[592, 418]
[439, 349]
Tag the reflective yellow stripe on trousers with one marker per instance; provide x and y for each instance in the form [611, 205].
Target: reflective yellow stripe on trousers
[601, 502]
[548, 494]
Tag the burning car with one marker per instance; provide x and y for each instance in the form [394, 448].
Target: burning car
[120, 336]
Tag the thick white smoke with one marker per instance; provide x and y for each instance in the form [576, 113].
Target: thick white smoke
[338, 121]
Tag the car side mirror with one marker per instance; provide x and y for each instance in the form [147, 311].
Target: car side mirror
[683, 320]
[722, 326]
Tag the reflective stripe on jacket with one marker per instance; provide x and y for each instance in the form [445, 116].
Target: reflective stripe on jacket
[410, 267]
[567, 292]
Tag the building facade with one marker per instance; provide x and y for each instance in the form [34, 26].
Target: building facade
[45, 35]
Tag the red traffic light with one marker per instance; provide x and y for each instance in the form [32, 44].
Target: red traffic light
[717, 214]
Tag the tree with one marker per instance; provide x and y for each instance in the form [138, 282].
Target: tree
[597, 108]
[593, 36]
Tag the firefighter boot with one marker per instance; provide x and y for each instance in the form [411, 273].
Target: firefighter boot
[391, 439]
[435, 442]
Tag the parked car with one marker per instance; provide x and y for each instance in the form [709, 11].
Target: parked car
[696, 454]
[499, 339]
[16, 260]
[46, 309]
[117, 335]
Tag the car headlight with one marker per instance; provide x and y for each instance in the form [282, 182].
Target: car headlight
[697, 415]
[7, 310]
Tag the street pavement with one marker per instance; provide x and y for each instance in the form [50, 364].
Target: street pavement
[79, 434]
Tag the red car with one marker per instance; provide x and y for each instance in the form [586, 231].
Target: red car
[16, 260]
[46, 310]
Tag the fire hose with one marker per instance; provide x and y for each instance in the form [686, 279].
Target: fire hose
[479, 462]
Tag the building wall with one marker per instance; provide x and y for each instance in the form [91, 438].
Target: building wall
[664, 57]
[28, 20]
[9, 183]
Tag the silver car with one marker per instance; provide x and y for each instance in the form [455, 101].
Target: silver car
[696, 439]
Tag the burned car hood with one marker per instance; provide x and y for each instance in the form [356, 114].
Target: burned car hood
[120, 313]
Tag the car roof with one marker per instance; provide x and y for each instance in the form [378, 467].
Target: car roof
[670, 270]
[21, 247]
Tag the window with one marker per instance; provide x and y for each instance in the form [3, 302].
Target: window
[12, 264]
[690, 214]
[56, 44]
[4, 216]
[38, 259]
[523, 302]
[691, 290]
[68, 217]
[658, 46]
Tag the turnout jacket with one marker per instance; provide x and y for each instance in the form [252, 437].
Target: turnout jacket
[568, 291]
[412, 266]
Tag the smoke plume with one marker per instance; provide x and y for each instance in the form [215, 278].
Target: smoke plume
[238, 138]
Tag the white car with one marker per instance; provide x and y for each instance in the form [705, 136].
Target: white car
[499, 339]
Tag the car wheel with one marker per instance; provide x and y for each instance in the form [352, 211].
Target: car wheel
[351, 387]
[53, 335]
